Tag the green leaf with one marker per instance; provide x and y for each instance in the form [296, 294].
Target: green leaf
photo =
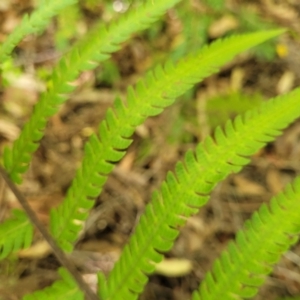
[15, 233]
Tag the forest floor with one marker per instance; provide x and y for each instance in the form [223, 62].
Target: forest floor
[158, 144]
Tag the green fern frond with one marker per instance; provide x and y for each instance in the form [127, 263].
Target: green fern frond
[98, 46]
[182, 194]
[241, 269]
[16, 233]
[150, 97]
[34, 23]
[63, 289]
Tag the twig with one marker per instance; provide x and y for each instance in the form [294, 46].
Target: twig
[57, 251]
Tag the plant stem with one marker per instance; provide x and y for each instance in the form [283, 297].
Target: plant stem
[56, 250]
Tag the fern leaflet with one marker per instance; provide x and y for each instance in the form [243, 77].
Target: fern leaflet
[241, 269]
[182, 194]
[66, 288]
[15, 233]
[98, 46]
[34, 23]
[150, 97]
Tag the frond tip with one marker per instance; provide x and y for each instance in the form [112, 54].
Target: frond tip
[16, 233]
[242, 268]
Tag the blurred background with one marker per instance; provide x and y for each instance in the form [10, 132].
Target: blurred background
[266, 71]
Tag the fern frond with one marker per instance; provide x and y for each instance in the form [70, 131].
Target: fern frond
[63, 289]
[241, 269]
[34, 23]
[150, 97]
[16, 233]
[182, 194]
[98, 46]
